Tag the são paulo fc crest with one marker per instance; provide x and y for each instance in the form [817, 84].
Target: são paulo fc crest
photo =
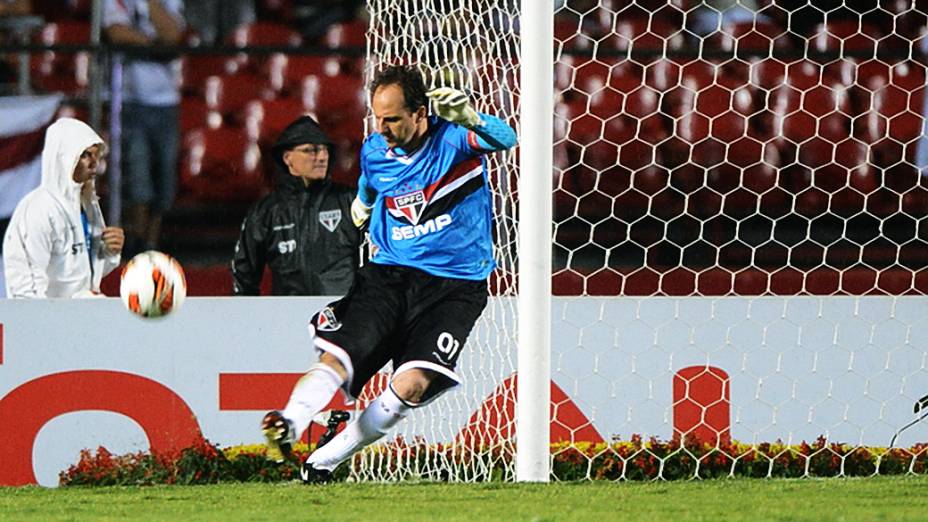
[326, 322]
[330, 219]
[411, 205]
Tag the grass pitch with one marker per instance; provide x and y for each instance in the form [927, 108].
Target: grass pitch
[879, 498]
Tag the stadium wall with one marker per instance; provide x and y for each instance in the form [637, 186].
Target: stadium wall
[78, 374]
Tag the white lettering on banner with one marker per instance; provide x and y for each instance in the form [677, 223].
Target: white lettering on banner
[430, 226]
[849, 368]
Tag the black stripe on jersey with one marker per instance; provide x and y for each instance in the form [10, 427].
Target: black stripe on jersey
[444, 204]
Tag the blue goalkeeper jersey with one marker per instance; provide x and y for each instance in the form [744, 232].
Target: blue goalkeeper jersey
[432, 209]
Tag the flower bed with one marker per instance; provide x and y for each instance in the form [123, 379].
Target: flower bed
[637, 459]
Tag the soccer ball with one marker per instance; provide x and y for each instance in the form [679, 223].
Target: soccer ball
[152, 284]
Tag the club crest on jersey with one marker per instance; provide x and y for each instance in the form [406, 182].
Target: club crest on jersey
[411, 205]
[330, 219]
[326, 321]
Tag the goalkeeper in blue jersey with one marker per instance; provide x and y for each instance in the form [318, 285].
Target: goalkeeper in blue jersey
[424, 194]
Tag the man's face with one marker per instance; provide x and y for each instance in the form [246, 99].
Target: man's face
[87, 165]
[395, 123]
[308, 161]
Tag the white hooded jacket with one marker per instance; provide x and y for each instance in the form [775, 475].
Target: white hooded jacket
[44, 252]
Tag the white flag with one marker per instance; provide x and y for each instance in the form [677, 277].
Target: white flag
[23, 120]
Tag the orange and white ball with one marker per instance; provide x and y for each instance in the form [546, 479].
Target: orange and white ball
[152, 284]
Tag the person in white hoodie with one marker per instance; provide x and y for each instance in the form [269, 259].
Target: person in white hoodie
[57, 244]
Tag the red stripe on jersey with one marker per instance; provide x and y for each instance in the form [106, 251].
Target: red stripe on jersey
[455, 173]
[472, 140]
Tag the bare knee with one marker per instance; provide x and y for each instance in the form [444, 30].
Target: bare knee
[332, 362]
[410, 385]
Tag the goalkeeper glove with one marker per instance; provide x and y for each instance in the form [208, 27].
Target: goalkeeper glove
[359, 212]
[452, 105]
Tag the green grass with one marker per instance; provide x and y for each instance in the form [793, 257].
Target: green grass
[881, 498]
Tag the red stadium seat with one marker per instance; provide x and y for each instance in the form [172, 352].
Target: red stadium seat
[265, 119]
[62, 72]
[221, 165]
[750, 38]
[803, 75]
[822, 112]
[194, 114]
[640, 33]
[589, 77]
[228, 94]
[195, 69]
[607, 103]
[274, 10]
[347, 34]
[297, 68]
[845, 35]
[894, 121]
[662, 75]
[583, 127]
[258, 34]
[341, 97]
[767, 73]
[61, 10]
[567, 33]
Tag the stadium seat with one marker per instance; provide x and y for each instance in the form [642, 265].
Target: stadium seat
[626, 72]
[62, 10]
[265, 33]
[297, 68]
[590, 76]
[894, 121]
[220, 165]
[642, 34]
[845, 35]
[803, 75]
[349, 127]
[750, 38]
[662, 75]
[767, 74]
[261, 33]
[864, 181]
[846, 203]
[58, 71]
[567, 33]
[347, 34]
[820, 111]
[228, 94]
[340, 97]
[902, 178]
[195, 114]
[196, 68]
[607, 103]
[274, 10]
[265, 119]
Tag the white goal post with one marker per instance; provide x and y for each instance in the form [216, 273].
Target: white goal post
[536, 116]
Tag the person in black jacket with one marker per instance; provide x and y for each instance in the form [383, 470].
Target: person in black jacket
[302, 230]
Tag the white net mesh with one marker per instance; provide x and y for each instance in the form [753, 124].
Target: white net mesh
[747, 177]
[469, 45]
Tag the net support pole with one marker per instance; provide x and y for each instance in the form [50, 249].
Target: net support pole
[535, 188]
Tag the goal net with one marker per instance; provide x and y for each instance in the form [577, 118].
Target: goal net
[739, 236]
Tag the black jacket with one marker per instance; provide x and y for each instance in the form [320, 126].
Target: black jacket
[303, 234]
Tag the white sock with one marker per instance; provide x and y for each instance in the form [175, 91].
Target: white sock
[311, 393]
[379, 416]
